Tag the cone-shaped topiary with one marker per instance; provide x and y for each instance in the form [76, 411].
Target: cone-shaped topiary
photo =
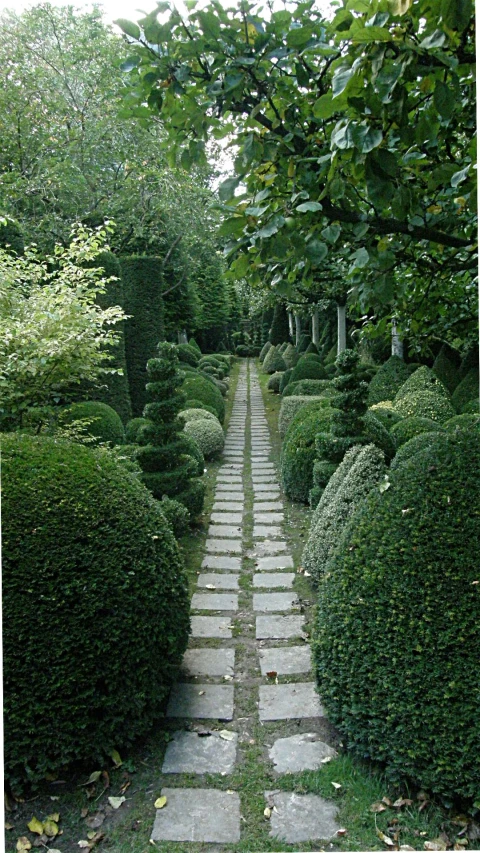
[446, 366]
[290, 356]
[312, 348]
[285, 379]
[279, 331]
[308, 368]
[423, 379]
[466, 390]
[264, 350]
[304, 343]
[274, 361]
[388, 380]
[167, 467]
[425, 404]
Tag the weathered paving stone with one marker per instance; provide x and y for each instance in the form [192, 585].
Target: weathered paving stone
[214, 601]
[213, 662]
[264, 531]
[271, 564]
[279, 627]
[201, 701]
[227, 517]
[268, 517]
[222, 564]
[286, 660]
[267, 506]
[265, 487]
[189, 753]
[301, 817]
[300, 752]
[262, 549]
[226, 581]
[229, 478]
[229, 487]
[273, 580]
[211, 626]
[228, 506]
[225, 531]
[289, 701]
[220, 546]
[198, 814]
[273, 602]
[270, 480]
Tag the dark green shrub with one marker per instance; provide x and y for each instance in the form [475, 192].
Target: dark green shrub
[327, 494]
[471, 408]
[386, 415]
[208, 434]
[331, 355]
[193, 497]
[283, 347]
[398, 627]
[243, 351]
[466, 390]
[177, 516]
[330, 369]
[193, 450]
[445, 367]
[290, 356]
[423, 379]
[143, 284]
[425, 404]
[388, 379]
[199, 404]
[163, 457]
[132, 429]
[192, 342]
[367, 471]
[106, 425]
[274, 382]
[198, 387]
[279, 331]
[307, 368]
[405, 429]
[470, 358]
[267, 345]
[309, 386]
[418, 443]
[312, 348]
[11, 237]
[188, 354]
[466, 421]
[298, 451]
[285, 379]
[376, 433]
[274, 361]
[305, 341]
[291, 405]
[312, 356]
[97, 603]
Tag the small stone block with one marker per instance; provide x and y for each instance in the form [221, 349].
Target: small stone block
[229, 487]
[226, 531]
[211, 626]
[264, 487]
[270, 547]
[228, 506]
[300, 752]
[222, 564]
[288, 660]
[214, 662]
[289, 701]
[214, 601]
[226, 581]
[198, 814]
[279, 627]
[189, 753]
[229, 496]
[228, 479]
[268, 496]
[273, 580]
[264, 531]
[271, 564]
[302, 817]
[268, 517]
[267, 506]
[227, 517]
[223, 546]
[273, 602]
[201, 701]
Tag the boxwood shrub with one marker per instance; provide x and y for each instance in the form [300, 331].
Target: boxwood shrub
[197, 414]
[267, 345]
[386, 414]
[284, 381]
[466, 421]
[416, 444]
[307, 368]
[132, 429]
[466, 390]
[97, 605]
[177, 516]
[298, 451]
[423, 379]
[274, 382]
[389, 377]
[398, 627]
[209, 436]
[304, 342]
[188, 354]
[106, 425]
[274, 361]
[335, 482]
[291, 405]
[290, 356]
[193, 450]
[471, 408]
[198, 404]
[315, 387]
[405, 429]
[198, 387]
[376, 433]
[425, 404]
[445, 367]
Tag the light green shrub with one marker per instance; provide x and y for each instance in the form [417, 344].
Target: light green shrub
[197, 414]
[209, 436]
[405, 429]
[290, 356]
[274, 361]
[105, 424]
[298, 451]
[289, 408]
[385, 414]
[423, 379]
[307, 368]
[425, 404]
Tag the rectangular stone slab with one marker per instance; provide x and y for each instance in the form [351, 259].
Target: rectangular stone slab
[201, 701]
[289, 701]
[222, 563]
[226, 581]
[189, 753]
[211, 626]
[279, 627]
[268, 517]
[273, 602]
[299, 752]
[213, 662]
[264, 487]
[267, 531]
[228, 506]
[288, 660]
[229, 487]
[301, 817]
[227, 517]
[198, 814]
[271, 564]
[272, 495]
[229, 478]
[225, 531]
[270, 546]
[229, 496]
[223, 546]
[267, 506]
[214, 601]
[273, 580]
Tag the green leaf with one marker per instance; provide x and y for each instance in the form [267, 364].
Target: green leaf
[460, 176]
[307, 206]
[324, 106]
[399, 7]
[302, 75]
[435, 39]
[227, 188]
[332, 233]
[361, 258]
[365, 137]
[316, 251]
[272, 227]
[366, 35]
[341, 79]
[209, 24]
[456, 14]
[128, 27]
[299, 36]
[444, 99]
[130, 63]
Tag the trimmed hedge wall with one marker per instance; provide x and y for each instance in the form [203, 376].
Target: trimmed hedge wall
[97, 603]
[106, 424]
[298, 451]
[398, 626]
[143, 285]
[387, 380]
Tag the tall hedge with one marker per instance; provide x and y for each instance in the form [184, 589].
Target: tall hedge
[143, 285]
[398, 628]
[96, 605]
[279, 332]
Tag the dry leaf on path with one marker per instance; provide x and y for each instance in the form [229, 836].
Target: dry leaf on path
[267, 813]
[377, 808]
[398, 804]
[115, 756]
[95, 820]
[94, 777]
[160, 803]
[226, 735]
[336, 785]
[436, 844]
[342, 832]
[116, 802]
[23, 844]
[35, 826]
[386, 840]
[50, 828]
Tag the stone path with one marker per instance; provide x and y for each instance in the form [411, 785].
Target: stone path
[248, 664]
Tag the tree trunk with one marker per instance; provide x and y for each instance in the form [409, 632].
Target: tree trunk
[315, 327]
[397, 344]
[290, 324]
[298, 329]
[342, 328]
[182, 337]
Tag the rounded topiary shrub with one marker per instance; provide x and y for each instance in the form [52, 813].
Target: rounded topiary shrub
[177, 516]
[398, 627]
[96, 600]
[193, 450]
[423, 379]
[376, 433]
[198, 387]
[188, 354]
[274, 382]
[291, 405]
[466, 421]
[405, 429]
[298, 451]
[198, 404]
[209, 436]
[132, 429]
[290, 356]
[471, 408]
[388, 379]
[307, 368]
[284, 381]
[274, 361]
[385, 414]
[466, 390]
[425, 404]
[309, 387]
[418, 443]
[197, 414]
[105, 424]
[267, 345]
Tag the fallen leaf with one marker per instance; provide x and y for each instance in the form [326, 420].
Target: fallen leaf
[398, 804]
[54, 798]
[9, 826]
[94, 777]
[35, 826]
[308, 575]
[300, 570]
[406, 847]
[95, 820]
[55, 817]
[90, 792]
[125, 786]
[272, 674]
[84, 843]
[23, 844]
[115, 756]
[160, 803]
[50, 828]
[437, 844]
[326, 759]
[226, 735]
[387, 801]
[342, 832]
[84, 813]
[105, 779]
[267, 813]
[386, 840]
[336, 785]
[116, 802]
[376, 808]
[201, 692]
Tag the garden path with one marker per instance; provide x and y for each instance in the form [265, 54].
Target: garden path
[248, 668]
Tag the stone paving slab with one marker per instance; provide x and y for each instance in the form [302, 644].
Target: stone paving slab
[302, 817]
[262, 549]
[272, 580]
[225, 531]
[229, 478]
[279, 627]
[269, 517]
[289, 701]
[201, 701]
[229, 487]
[213, 662]
[226, 581]
[288, 660]
[264, 531]
[220, 546]
[300, 752]
[273, 602]
[222, 563]
[272, 495]
[228, 506]
[227, 517]
[267, 506]
[228, 496]
[264, 487]
[271, 564]
[214, 601]
[198, 814]
[189, 753]
[211, 626]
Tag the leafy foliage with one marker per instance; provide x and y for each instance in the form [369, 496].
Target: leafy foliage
[104, 422]
[200, 388]
[188, 354]
[298, 451]
[274, 361]
[307, 368]
[466, 390]
[425, 404]
[291, 405]
[405, 429]
[388, 379]
[11, 237]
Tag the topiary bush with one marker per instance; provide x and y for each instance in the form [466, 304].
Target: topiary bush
[188, 354]
[193, 450]
[199, 388]
[274, 382]
[466, 421]
[386, 414]
[285, 379]
[405, 429]
[267, 345]
[388, 379]
[307, 368]
[198, 404]
[445, 367]
[192, 343]
[407, 570]
[197, 414]
[97, 603]
[328, 493]
[366, 472]
[298, 451]
[132, 429]
[290, 356]
[177, 516]
[376, 433]
[425, 404]
[423, 379]
[106, 425]
[209, 436]
[291, 405]
[466, 390]
[309, 387]
[274, 361]
[279, 331]
[471, 408]
[304, 343]
[416, 444]
[312, 348]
